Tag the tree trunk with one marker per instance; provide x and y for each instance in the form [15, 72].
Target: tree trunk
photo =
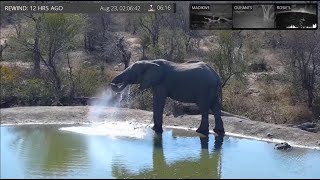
[143, 52]
[126, 55]
[36, 50]
[71, 95]
[85, 41]
[310, 98]
[2, 47]
[187, 44]
[127, 58]
[170, 54]
[103, 26]
[57, 88]
[17, 27]
[134, 32]
[154, 40]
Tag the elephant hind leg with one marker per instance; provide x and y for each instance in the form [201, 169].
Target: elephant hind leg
[216, 109]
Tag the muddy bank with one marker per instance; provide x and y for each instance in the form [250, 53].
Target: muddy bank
[233, 125]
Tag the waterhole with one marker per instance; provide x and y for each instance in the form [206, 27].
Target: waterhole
[135, 151]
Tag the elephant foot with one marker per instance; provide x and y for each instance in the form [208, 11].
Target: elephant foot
[219, 132]
[202, 131]
[157, 129]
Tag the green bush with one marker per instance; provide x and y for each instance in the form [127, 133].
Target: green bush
[10, 80]
[171, 45]
[28, 90]
[141, 100]
[34, 87]
[88, 80]
[34, 91]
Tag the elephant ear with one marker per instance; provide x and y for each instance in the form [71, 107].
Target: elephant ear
[152, 75]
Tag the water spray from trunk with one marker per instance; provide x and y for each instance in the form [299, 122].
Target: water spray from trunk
[106, 99]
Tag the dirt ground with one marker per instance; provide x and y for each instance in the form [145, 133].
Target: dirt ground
[234, 126]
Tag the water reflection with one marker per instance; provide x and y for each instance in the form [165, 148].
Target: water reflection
[51, 153]
[46, 152]
[217, 142]
[207, 166]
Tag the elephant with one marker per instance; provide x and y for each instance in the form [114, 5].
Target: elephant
[189, 82]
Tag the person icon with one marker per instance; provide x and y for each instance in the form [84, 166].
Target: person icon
[151, 8]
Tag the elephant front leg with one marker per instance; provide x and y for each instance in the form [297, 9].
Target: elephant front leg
[204, 126]
[159, 100]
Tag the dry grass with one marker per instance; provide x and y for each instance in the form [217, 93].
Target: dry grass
[276, 104]
[270, 112]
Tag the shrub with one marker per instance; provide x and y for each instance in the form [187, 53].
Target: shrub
[10, 79]
[254, 46]
[269, 78]
[89, 79]
[272, 112]
[34, 91]
[275, 105]
[15, 45]
[295, 114]
[171, 45]
[316, 108]
[270, 94]
[141, 100]
[34, 87]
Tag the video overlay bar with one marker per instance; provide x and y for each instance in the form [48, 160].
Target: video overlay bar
[88, 7]
[254, 16]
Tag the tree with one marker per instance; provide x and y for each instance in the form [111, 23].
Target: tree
[2, 47]
[100, 39]
[57, 34]
[126, 55]
[97, 31]
[152, 24]
[36, 47]
[304, 58]
[228, 57]
[166, 35]
[145, 42]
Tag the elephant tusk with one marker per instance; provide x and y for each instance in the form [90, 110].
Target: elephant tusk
[118, 85]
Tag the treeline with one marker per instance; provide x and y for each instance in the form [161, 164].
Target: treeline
[72, 55]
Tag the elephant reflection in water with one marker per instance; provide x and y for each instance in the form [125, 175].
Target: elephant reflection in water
[208, 166]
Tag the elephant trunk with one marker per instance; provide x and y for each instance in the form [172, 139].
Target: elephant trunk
[118, 83]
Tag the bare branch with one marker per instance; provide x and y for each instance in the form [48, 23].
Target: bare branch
[143, 25]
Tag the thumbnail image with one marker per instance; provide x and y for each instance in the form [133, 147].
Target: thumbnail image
[219, 17]
[253, 16]
[298, 16]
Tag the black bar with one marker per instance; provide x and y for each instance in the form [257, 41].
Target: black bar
[87, 7]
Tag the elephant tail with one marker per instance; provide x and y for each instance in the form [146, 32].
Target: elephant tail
[219, 91]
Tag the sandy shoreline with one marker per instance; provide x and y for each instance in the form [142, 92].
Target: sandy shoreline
[78, 115]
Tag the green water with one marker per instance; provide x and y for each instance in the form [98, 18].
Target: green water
[47, 152]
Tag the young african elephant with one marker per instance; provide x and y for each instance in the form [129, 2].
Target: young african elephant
[190, 82]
